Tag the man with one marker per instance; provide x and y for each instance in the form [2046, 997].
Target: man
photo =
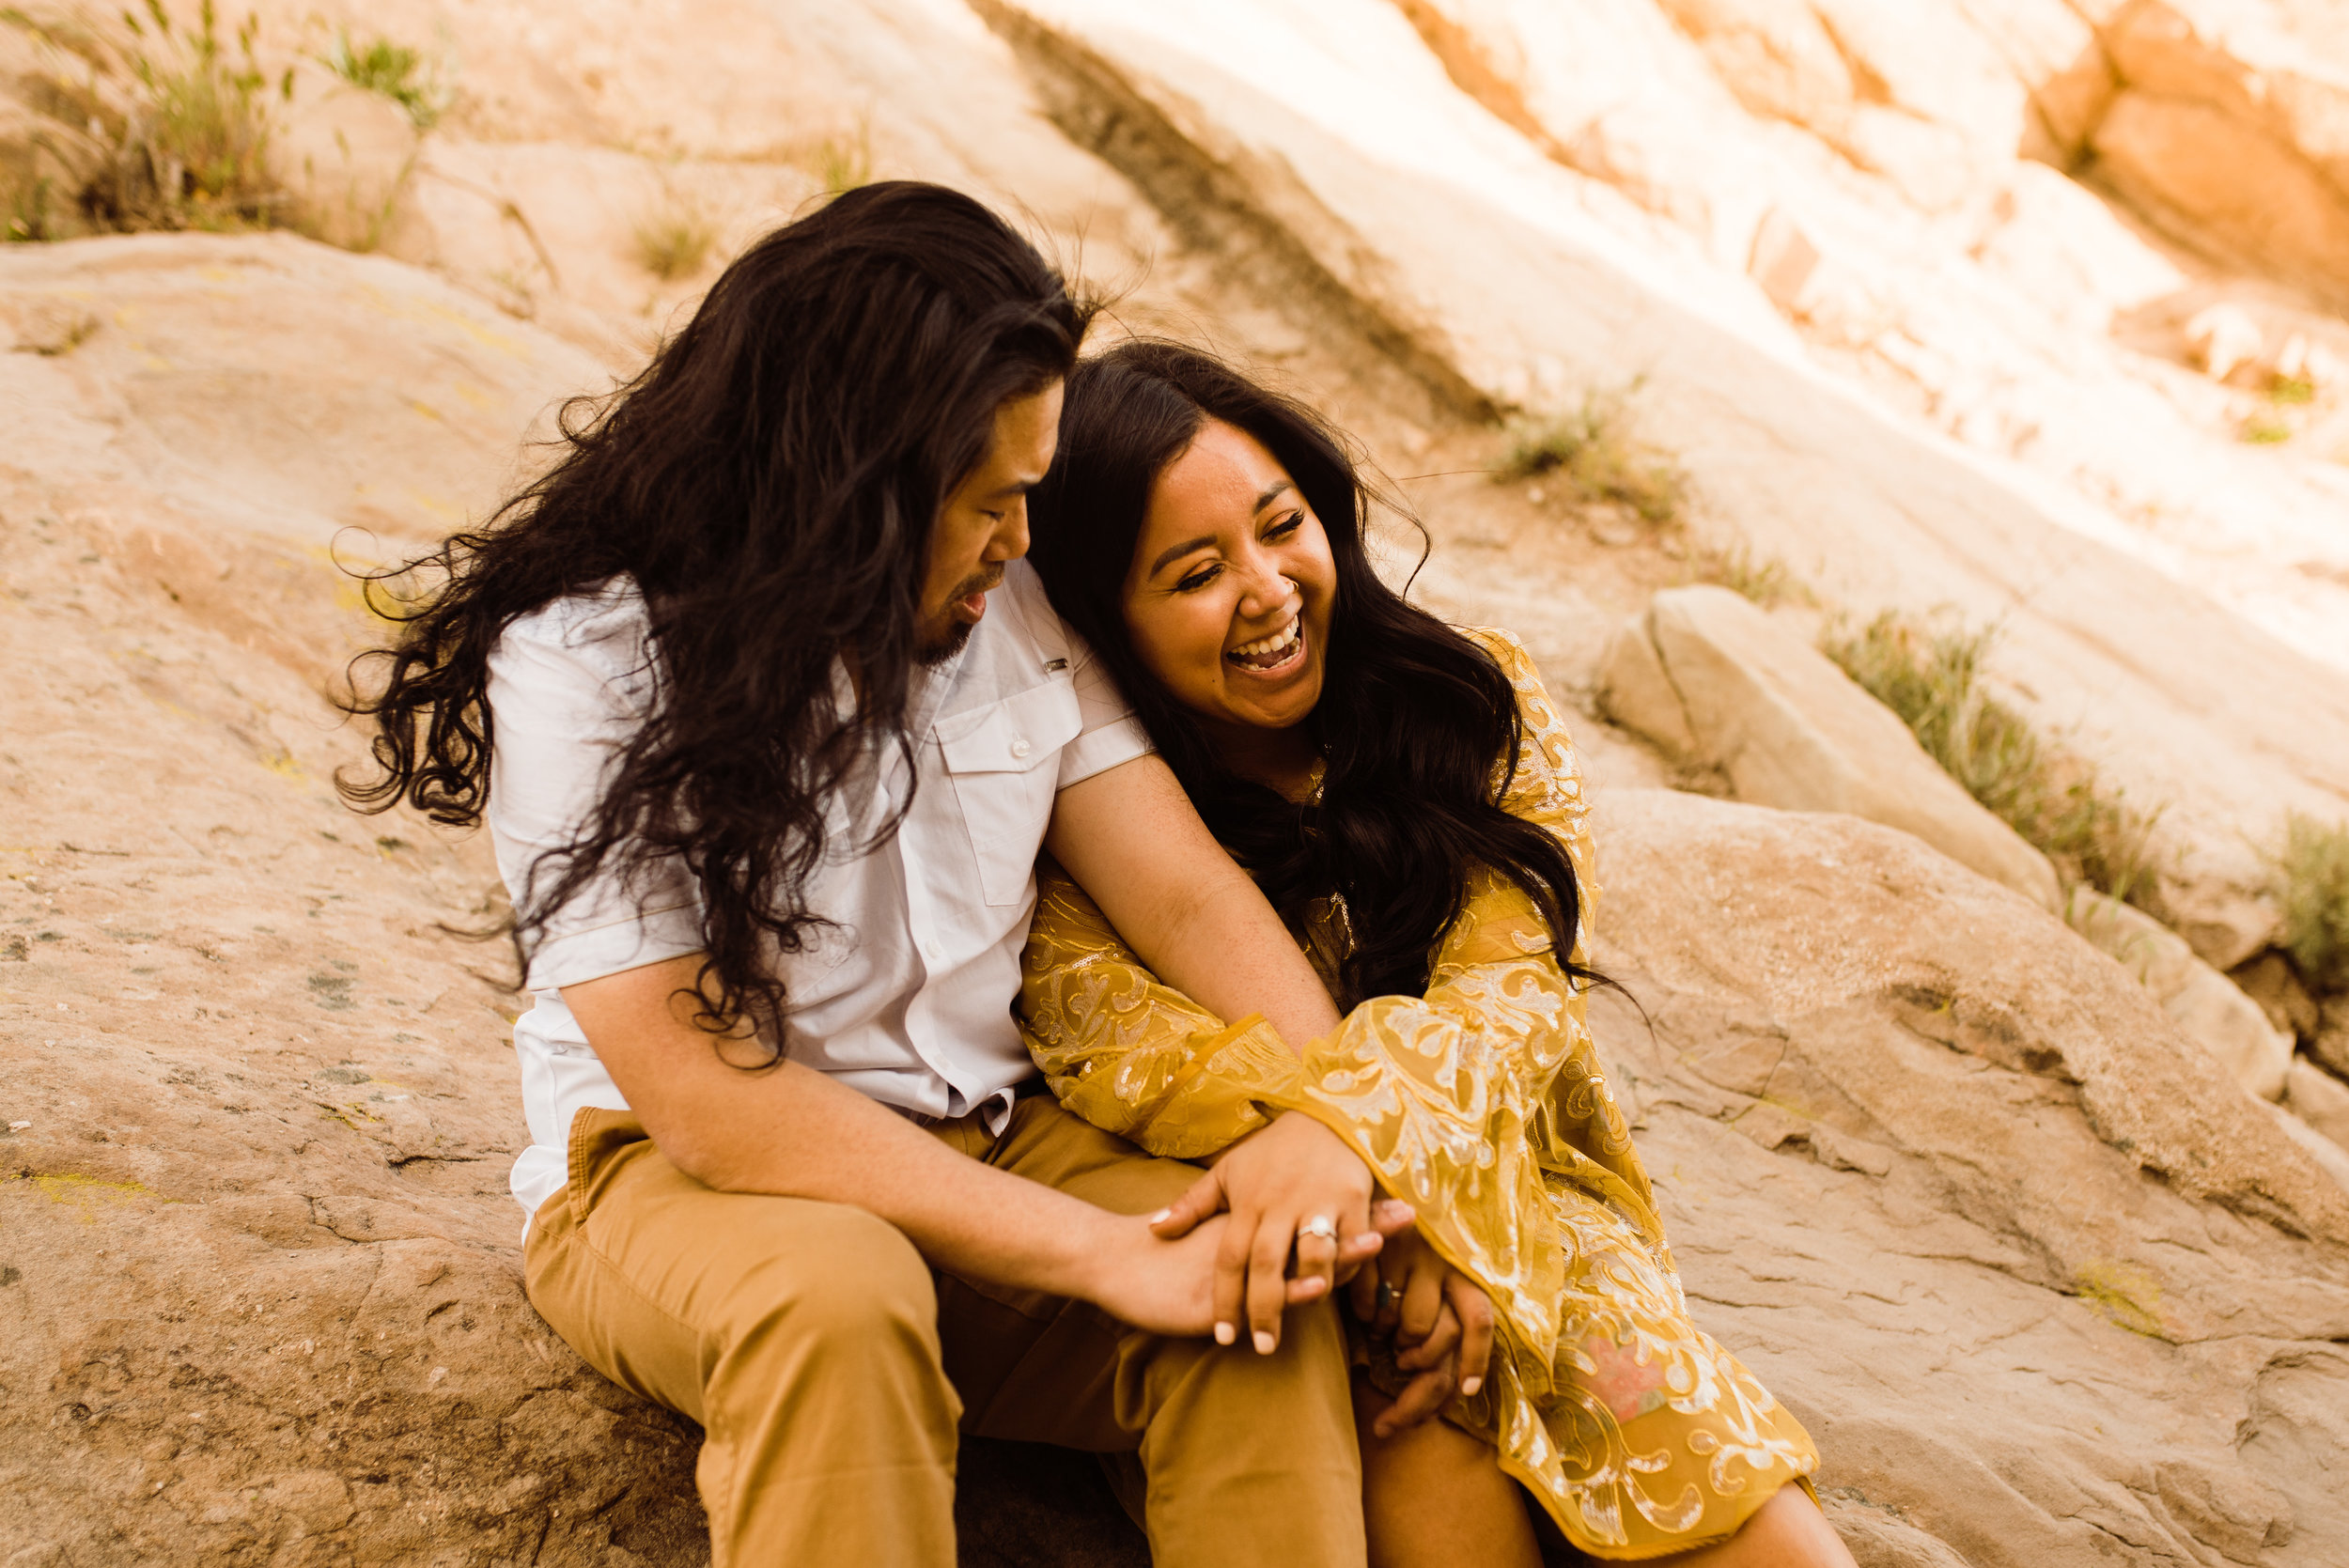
[768, 723]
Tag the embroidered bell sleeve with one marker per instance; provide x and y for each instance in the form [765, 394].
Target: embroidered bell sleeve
[1130, 1055]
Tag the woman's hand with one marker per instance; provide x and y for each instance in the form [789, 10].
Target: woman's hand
[1442, 1321]
[1274, 1181]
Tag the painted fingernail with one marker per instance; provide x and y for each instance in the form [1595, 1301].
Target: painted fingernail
[1371, 1239]
[1264, 1342]
[1161, 1217]
[1469, 1386]
[1223, 1334]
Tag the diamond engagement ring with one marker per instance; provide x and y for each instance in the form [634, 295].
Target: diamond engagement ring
[1387, 1295]
[1319, 1225]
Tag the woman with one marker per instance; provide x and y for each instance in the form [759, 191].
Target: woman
[1406, 795]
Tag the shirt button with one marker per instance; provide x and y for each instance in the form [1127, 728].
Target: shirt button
[1019, 746]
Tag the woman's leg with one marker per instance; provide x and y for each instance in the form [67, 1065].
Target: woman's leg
[1788, 1532]
[1434, 1494]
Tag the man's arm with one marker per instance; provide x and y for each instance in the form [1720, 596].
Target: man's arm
[793, 1131]
[1131, 839]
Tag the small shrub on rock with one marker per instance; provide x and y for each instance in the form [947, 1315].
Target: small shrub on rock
[674, 238]
[2310, 883]
[2056, 800]
[150, 125]
[1765, 580]
[1592, 448]
[845, 163]
[398, 72]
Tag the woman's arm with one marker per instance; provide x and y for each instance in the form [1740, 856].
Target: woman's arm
[1131, 1054]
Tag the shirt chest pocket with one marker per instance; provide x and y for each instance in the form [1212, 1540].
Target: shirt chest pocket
[1004, 762]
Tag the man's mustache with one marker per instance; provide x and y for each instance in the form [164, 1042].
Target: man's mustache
[981, 582]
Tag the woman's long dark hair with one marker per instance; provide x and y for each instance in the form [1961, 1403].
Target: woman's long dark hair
[1415, 720]
[769, 482]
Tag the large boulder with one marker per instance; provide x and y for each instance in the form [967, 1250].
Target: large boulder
[2047, 1287]
[1713, 680]
[2318, 1098]
[2212, 1009]
[2227, 127]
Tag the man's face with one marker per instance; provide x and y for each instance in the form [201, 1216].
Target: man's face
[983, 523]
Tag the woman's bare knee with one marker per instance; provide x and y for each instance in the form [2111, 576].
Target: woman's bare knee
[1433, 1494]
[1788, 1532]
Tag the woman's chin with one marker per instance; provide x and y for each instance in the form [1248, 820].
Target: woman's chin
[1265, 705]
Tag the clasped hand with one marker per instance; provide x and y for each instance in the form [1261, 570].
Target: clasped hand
[1439, 1319]
[1273, 1181]
[1278, 1179]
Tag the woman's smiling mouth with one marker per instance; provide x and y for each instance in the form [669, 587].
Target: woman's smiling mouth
[1271, 655]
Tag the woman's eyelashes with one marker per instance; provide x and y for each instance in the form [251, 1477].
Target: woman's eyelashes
[1207, 572]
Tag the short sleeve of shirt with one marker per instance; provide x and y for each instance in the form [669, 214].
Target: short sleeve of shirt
[567, 684]
[1109, 734]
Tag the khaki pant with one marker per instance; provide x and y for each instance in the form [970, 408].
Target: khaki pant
[831, 1366]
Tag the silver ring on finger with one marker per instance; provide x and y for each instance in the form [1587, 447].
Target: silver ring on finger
[1319, 1225]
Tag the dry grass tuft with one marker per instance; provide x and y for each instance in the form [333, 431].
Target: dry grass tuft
[148, 126]
[1766, 581]
[2056, 800]
[1593, 450]
[2309, 879]
[846, 163]
[674, 238]
[398, 72]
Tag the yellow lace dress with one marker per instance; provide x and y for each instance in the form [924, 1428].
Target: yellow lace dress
[1482, 1106]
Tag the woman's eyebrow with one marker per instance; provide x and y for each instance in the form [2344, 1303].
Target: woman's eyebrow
[1271, 496]
[1173, 552]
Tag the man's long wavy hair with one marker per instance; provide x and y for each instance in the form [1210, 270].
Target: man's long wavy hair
[1417, 723]
[769, 482]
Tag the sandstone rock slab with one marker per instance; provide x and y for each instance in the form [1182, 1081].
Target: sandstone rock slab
[2318, 1098]
[2212, 1009]
[1937, 1170]
[1710, 676]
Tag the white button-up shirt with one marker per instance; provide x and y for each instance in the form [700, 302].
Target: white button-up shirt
[907, 997]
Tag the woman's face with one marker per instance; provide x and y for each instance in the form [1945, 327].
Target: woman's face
[1229, 594]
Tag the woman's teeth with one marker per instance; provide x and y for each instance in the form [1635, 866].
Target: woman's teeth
[1267, 652]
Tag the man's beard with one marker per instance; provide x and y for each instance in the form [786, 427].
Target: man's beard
[934, 651]
[945, 645]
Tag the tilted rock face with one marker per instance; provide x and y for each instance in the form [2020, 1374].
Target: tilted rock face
[2231, 127]
[1713, 678]
[2048, 1288]
[2318, 1098]
[2209, 1007]
[256, 1255]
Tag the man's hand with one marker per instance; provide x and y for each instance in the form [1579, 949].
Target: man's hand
[1442, 1321]
[1273, 1181]
[1163, 1286]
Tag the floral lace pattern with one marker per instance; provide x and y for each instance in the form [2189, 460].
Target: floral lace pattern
[1483, 1104]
